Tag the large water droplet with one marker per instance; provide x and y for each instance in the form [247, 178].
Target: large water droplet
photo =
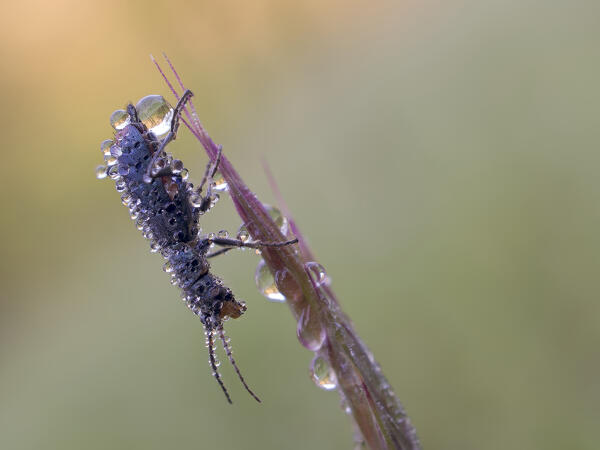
[266, 283]
[318, 274]
[322, 373]
[119, 119]
[154, 112]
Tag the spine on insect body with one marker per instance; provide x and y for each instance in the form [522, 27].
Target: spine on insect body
[165, 214]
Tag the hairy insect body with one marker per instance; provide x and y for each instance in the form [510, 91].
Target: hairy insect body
[168, 218]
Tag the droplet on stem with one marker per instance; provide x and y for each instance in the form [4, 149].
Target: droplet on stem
[309, 330]
[322, 373]
[318, 274]
[266, 283]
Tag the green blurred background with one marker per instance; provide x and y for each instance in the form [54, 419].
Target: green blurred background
[441, 158]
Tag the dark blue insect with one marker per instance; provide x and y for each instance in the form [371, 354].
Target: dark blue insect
[166, 208]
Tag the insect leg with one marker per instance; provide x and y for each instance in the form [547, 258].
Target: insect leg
[227, 348]
[209, 173]
[211, 169]
[149, 175]
[213, 363]
[219, 252]
[226, 242]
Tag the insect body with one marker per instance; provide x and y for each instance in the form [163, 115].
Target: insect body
[167, 207]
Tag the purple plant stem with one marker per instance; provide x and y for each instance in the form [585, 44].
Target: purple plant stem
[322, 326]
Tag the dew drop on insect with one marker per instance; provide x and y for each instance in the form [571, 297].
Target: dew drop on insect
[322, 374]
[278, 218]
[318, 274]
[154, 247]
[101, 172]
[126, 199]
[113, 172]
[223, 234]
[116, 151]
[196, 200]
[111, 161]
[184, 174]
[167, 267]
[266, 283]
[219, 184]
[105, 146]
[119, 119]
[177, 166]
[154, 112]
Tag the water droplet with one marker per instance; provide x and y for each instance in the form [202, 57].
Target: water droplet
[318, 274]
[121, 185]
[101, 172]
[184, 174]
[111, 161]
[219, 184]
[278, 218]
[243, 235]
[105, 146]
[116, 151]
[223, 234]
[154, 112]
[177, 167]
[113, 172]
[126, 199]
[309, 330]
[196, 200]
[119, 119]
[322, 374]
[154, 247]
[266, 283]
[167, 267]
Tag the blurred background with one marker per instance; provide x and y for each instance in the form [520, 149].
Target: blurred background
[441, 158]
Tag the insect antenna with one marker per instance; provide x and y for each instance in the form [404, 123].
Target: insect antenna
[213, 363]
[227, 348]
